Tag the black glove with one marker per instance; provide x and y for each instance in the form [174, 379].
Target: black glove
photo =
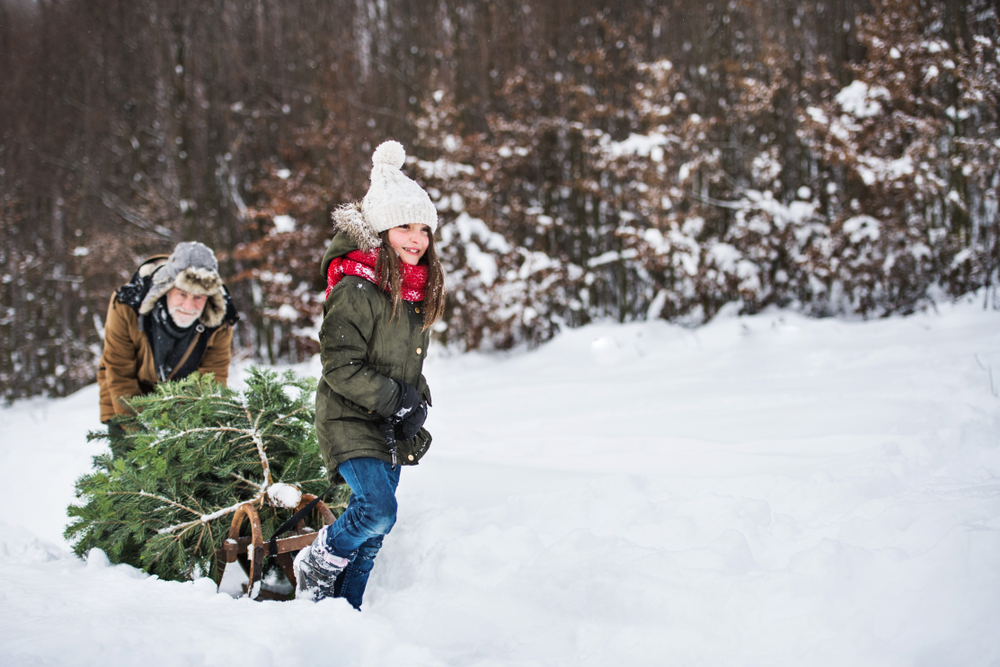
[410, 412]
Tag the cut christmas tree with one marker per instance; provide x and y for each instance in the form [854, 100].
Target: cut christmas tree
[190, 456]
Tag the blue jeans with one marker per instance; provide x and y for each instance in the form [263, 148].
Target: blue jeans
[370, 515]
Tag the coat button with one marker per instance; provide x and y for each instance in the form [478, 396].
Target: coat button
[416, 310]
[410, 457]
[418, 350]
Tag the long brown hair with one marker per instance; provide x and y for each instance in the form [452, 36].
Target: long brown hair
[388, 271]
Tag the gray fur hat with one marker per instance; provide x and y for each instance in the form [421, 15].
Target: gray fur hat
[191, 267]
[393, 200]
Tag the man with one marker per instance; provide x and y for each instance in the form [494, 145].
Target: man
[173, 318]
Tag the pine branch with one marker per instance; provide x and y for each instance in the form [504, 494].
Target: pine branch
[156, 497]
[259, 487]
[290, 414]
[205, 518]
[265, 464]
[193, 449]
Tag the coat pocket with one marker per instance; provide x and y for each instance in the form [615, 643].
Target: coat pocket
[413, 449]
[424, 390]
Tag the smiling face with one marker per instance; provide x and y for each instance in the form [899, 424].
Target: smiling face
[410, 242]
[185, 308]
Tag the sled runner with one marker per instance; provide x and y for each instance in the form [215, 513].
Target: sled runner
[251, 550]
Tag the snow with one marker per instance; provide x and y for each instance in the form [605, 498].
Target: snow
[283, 224]
[287, 312]
[862, 227]
[724, 255]
[484, 264]
[767, 490]
[817, 115]
[874, 169]
[612, 256]
[650, 145]
[284, 495]
[861, 100]
[797, 212]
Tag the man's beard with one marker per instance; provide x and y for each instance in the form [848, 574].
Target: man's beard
[181, 318]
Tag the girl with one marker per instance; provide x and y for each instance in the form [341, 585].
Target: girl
[385, 290]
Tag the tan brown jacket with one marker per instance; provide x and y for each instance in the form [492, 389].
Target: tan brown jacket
[127, 368]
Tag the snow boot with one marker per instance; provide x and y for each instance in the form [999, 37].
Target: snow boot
[316, 570]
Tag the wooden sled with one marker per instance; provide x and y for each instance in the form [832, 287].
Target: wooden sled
[251, 550]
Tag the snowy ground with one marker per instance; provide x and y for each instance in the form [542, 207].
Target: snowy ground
[761, 491]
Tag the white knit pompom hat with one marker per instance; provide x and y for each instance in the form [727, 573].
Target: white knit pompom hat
[393, 199]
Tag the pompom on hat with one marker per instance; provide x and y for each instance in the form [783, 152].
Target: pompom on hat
[393, 200]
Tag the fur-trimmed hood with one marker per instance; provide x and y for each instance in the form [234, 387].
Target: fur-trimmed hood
[351, 233]
[350, 220]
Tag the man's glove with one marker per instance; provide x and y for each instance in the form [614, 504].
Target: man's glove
[410, 412]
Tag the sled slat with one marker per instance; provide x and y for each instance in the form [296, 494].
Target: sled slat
[232, 548]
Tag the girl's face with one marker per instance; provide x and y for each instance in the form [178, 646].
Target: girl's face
[410, 242]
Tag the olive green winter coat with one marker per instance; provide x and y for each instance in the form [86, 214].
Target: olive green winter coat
[363, 348]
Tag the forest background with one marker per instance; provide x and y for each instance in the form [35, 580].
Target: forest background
[589, 160]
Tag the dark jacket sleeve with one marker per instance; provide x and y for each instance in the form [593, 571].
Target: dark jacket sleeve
[345, 339]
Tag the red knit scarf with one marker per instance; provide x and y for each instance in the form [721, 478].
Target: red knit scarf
[362, 263]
